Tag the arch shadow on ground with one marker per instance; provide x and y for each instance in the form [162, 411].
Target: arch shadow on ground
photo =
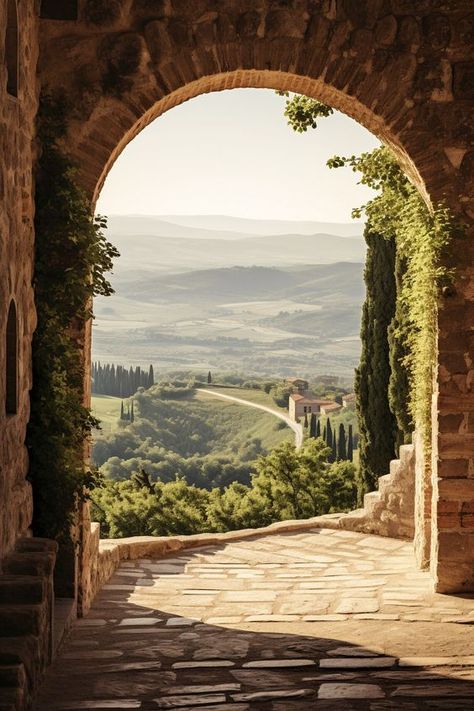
[229, 628]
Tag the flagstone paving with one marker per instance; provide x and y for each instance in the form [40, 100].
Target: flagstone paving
[319, 619]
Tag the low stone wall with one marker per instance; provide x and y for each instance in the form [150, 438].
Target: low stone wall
[26, 620]
[387, 512]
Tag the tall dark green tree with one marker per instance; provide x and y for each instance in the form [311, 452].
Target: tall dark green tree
[329, 435]
[313, 426]
[377, 425]
[151, 376]
[318, 427]
[209, 378]
[382, 379]
[350, 444]
[398, 339]
[341, 443]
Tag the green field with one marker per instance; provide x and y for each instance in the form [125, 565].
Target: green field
[252, 395]
[185, 432]
[247, 423]
[107, 409]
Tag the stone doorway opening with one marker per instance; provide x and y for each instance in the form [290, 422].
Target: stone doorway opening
[151, 60]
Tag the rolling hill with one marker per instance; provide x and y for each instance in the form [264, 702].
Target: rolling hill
[263, 303]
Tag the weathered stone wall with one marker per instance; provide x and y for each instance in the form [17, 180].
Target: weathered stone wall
[17, 117]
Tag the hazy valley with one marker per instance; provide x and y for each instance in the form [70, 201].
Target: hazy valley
[232, 297]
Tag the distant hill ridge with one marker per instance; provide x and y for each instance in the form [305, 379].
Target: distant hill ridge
[153, 252]
[227, 227]
[313, 283]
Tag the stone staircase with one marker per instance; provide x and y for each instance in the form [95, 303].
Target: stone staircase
[389, 511]
[26, 620]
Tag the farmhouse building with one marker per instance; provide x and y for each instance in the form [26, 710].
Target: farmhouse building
[349, 400]
[330, 408]
[301, 404]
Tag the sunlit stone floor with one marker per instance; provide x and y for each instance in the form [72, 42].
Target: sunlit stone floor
[319, 619]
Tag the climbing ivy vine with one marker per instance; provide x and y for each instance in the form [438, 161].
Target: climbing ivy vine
[422, 236]
[72, 257]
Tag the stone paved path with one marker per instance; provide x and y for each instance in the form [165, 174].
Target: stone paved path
[318, 619]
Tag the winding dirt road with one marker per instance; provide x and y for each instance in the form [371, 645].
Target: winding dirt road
[295, 426]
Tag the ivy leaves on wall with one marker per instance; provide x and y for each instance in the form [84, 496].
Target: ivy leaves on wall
[72, 257]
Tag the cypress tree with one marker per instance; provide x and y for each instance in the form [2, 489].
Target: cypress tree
[329, 435]
[151, 377]
[333, 455]
[121, 410]
[341, 443]
[312, 425]
[209, 378]
[399, 385]
[377, 425]
[350, 445]
[132, 414]
[318, 427]
[305, 424]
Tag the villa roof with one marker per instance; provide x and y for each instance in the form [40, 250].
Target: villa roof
[297, 397]
[331, 406]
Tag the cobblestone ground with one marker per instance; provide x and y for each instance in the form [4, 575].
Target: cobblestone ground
[315, 620]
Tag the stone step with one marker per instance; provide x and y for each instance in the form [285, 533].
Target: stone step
[385, 483]
[29, 563]
[21, 589]
[19, 620]
[20, 650]
[36, 545]
[12, 676]
[371, 501]
[406, 453]
[395, 466]
[11, 699]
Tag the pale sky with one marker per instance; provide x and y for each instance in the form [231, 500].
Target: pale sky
[232, 153]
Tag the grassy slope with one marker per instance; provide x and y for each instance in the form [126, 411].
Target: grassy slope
[247, 423]
[107, 409]
[258, 396]
[233, 424]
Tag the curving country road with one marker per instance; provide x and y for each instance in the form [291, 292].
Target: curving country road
[295, 426]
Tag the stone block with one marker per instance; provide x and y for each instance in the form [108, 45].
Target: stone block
[386, 30]
[248, 24]
[22, 620]
[35, 564]
[17, 589]
[102, 13]
[456, 489]
[436, 30]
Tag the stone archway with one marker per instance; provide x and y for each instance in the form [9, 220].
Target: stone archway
[399, 67]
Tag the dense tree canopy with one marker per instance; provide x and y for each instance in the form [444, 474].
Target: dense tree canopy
[287, 484]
